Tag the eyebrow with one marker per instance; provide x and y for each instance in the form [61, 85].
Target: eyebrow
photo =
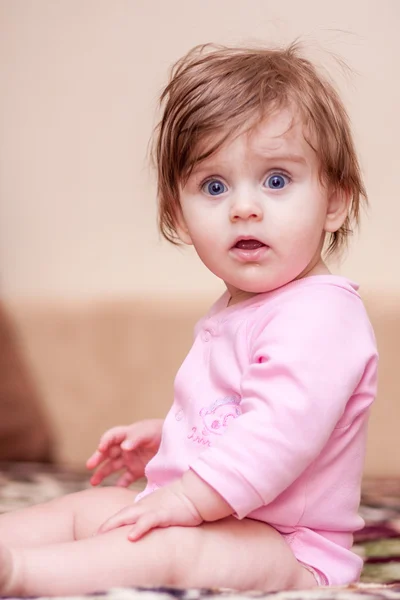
[294, 158]
[200, 168]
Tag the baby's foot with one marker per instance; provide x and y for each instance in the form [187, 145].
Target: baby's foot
[6, 570]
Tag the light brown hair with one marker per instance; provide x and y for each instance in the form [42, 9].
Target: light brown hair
[214, 92]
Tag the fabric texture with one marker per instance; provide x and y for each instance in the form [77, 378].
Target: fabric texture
[271, 408]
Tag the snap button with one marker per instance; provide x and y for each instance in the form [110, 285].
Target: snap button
[206, 336]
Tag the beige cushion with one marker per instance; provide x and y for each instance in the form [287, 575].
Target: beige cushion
[104, 363]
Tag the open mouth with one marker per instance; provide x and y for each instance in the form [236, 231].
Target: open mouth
[249, 250]
[252, 244]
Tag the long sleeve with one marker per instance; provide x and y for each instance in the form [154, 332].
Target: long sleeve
[306, 359]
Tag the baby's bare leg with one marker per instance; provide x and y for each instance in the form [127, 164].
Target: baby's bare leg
[64, 519]
[228, 553]
[244, 555]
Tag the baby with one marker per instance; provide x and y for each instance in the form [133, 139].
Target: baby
[253, 479]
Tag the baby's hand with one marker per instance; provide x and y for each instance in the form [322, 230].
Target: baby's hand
[165, 507]
[128, 448]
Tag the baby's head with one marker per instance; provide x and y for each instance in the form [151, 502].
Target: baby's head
[243, 132]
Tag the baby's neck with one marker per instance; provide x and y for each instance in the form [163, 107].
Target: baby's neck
[237, 296]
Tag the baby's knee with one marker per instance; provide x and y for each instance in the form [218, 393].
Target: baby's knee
[91, 508]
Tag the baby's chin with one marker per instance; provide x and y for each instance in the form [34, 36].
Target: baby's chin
[261, 286]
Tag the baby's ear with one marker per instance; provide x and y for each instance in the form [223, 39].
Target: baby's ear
[337, 209]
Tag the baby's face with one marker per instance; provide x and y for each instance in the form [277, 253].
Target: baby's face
[256, 211]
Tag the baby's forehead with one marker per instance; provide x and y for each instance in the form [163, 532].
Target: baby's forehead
[281, 130]
[282, 133]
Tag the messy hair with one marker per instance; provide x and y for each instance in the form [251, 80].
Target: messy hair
[214, 92]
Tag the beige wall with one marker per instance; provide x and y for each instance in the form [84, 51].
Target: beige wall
[79, 81]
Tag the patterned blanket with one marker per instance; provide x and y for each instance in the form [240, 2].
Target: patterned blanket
[22, 484]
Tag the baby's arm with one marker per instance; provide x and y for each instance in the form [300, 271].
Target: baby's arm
[308, 357]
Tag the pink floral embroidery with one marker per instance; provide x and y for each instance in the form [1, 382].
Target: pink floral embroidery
[197, 438]
[217, 416]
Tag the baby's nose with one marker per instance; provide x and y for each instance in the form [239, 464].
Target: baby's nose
[245, 209]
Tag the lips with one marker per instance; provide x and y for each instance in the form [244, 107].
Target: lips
[248, 244]
[249, 250]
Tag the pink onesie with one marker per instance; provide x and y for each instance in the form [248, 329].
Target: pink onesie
[271, 409]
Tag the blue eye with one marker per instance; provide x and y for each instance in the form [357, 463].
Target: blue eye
[277, 181]
[214, 187]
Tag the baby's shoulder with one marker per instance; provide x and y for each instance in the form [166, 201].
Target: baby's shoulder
[316, 304]
[318, 294]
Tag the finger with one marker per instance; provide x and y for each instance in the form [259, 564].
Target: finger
[97, 457]
[126, 516]
[136, 435]
[108, 467]
[130, 444]
[94, 460]
[133, 441]
[115, 452]
[144, 524]
[126, 479]
[113, 436]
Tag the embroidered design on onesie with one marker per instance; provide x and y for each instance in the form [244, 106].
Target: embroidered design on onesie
[179, 415]
[217, 416]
